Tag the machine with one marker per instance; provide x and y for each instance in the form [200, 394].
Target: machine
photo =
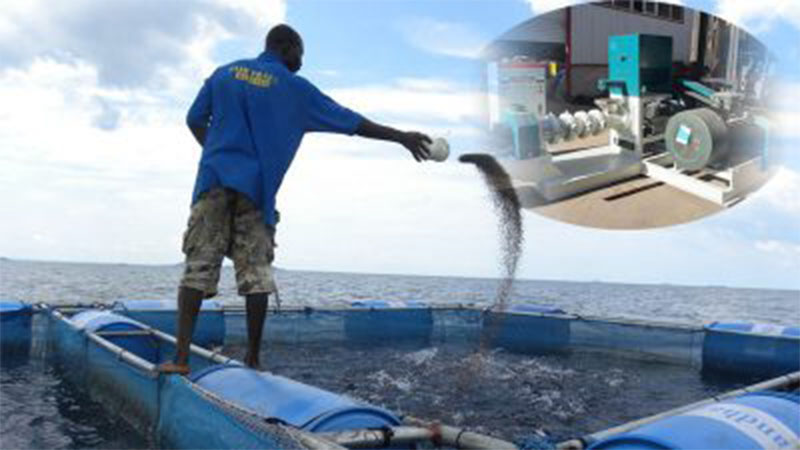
[706, 137]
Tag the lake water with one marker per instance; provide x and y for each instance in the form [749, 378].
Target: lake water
[40, 410]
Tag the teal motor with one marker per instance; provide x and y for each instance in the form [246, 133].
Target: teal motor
[524, 128]
[758, 420]
[697, 138]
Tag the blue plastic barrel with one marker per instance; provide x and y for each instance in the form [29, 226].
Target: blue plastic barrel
[15, 327]
[383, 322]
[751, 349]
[528, 328]
[760, 420]
[209, 330]
[98, 321]
[298, 404]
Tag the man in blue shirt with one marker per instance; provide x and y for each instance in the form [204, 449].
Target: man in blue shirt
[250, 117]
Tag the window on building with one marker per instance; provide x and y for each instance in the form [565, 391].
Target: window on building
[664, 10]
[653, 8]
[677, 13]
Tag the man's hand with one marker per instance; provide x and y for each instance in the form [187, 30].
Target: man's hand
[415, 143]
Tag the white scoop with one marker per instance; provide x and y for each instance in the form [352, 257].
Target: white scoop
[439, 149]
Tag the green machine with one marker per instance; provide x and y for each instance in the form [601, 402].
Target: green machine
[655, 128]
[639, 82]
[639, 64]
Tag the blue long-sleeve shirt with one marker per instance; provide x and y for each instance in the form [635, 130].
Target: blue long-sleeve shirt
[257, 112]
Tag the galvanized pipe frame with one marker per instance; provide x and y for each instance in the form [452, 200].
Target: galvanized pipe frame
[378, 438]
[122, 354]
[459, 437]
[146, 330]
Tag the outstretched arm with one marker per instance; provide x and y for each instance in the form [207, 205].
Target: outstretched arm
[413, 141]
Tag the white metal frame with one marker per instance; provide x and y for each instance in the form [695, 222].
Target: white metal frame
[740, 179]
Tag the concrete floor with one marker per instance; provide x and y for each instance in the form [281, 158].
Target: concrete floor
[632, 204]
[635, 203]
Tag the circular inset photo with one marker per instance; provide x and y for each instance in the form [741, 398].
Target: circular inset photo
[630, 114]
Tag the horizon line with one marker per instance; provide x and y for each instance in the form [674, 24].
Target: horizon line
[279, 268]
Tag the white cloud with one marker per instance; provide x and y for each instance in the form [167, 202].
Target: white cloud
[788, 253]
[786, 108]
[542, 6]
[332, 73]
[445, 38]
[130, 42]
[780, 247]
[758, 16]
[420, 99]
[783, 192]
[262, 12]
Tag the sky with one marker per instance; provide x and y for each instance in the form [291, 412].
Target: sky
[96, 164]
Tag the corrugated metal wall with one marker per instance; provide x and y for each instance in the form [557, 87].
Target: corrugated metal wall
[592, 25]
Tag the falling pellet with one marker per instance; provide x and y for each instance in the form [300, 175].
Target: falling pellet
[507, 207]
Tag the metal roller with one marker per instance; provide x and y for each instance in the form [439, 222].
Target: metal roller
[696, 138]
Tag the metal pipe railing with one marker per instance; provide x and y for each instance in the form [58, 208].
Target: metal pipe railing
[378, 438]
[459, 437]
[125, 355]
[196, 349]
[404, 435]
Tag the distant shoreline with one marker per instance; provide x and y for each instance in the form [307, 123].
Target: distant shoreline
[334, 272]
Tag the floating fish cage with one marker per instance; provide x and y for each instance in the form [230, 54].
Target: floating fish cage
[113, 351]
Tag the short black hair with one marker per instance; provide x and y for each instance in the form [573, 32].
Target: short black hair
[282, 35]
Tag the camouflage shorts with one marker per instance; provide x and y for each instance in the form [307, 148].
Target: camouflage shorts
[222, 223]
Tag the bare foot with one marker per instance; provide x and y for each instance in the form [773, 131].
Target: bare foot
[171, 367]
[253, 364]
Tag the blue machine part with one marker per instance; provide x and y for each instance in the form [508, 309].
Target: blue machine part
[382, 322]
[528, 328]
[698, 88]
[15, 327]
[98, 321]
[525, 133]
[639, 64]
[758, 420]
[306, 407]
[751, 349]
[161, 315]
